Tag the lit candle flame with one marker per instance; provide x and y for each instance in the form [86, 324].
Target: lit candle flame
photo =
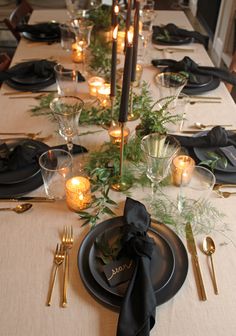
[130, 35]
[115, 32]
[116, 9]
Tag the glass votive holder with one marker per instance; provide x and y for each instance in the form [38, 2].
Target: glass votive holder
[78, 193]
[120, 42]
[115, 134]
[182, 170]
[95, 83]
[139, 72]
[77, 53]
[104, 95]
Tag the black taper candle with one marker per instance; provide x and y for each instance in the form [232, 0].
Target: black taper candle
[124, 103]
[128, 20]
[113, 62]
[135, 41]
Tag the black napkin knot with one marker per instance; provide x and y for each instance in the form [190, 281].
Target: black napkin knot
[136, 243]
[217, 136]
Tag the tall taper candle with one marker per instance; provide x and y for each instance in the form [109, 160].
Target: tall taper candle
[124, 103]
[135, 42]
[113, 62]
[128, 20]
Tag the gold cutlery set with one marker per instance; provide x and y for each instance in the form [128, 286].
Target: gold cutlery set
[208, 247]
[61, 256]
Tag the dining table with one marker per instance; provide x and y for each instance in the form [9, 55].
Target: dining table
[28, 240]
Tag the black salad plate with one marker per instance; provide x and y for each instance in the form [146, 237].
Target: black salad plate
[202, 155]
[172, 40]
[28, 172]
[114, 301]
[30, 87]
[162, 263]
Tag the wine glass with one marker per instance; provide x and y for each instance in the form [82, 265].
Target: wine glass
[159, 150]
[78, 8]
[82, 28]
[66, 110]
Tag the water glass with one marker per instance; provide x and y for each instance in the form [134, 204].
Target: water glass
[178, 113]
[56, 168]
[170, 84]
[67, 37]
[66, 80]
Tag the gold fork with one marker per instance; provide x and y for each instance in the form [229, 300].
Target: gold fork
[59, 257]
[67, 242]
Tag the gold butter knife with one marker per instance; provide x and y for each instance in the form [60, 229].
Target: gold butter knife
[193, 251]
[26, 198]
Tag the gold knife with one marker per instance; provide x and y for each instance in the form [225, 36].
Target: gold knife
[30, 199]
[193, 251]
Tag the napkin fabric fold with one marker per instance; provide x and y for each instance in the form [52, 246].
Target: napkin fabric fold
[172, 30]
[47, 28]
[216, 137]
[41, 68]
[189, 66]
[137, 312]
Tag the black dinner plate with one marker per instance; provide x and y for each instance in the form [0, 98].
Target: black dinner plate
[32, 87]
[173, 40]
[212, 85]
[32, 80]
[21, 188]
[201, 154]
[199, 81]
[113, 301]
[20, 175]
[162, 263]
[41, 37]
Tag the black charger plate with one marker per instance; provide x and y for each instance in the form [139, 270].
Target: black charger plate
[113, 301]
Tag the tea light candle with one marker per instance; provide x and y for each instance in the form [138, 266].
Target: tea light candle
[77, 53]
[78, 193]
[183, 167]
[115, 134]
[104, 94]
[95, 83]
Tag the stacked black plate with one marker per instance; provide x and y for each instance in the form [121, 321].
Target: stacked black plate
[24, 80]
[169, 264]
[20, 181]
[42, 32]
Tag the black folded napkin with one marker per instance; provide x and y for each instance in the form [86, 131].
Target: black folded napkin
[27, 152]
[41, 68]
[137, 312]
[189, 66]
[172, 30]
[216, 137]
[47, 28]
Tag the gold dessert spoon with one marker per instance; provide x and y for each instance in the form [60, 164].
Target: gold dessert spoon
[19, 208]
[209, 248]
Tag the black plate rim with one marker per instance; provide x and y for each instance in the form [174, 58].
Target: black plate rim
[190, 85]
[180, 41]
[114, 302]
[24, 87]
[36, 38]
[107, 288]
[211, 86]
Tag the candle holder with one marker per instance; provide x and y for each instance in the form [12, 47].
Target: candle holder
[120, 182]
[103, 94]
[115, 134]
[77, 53]
[182, 170]
[132, 115]
[95, 83]
[78, 193]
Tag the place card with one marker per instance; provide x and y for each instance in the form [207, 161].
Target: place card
[119, 271]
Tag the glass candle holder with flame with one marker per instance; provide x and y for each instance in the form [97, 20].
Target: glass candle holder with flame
[115, 134]
[95, 83]
[78, 193]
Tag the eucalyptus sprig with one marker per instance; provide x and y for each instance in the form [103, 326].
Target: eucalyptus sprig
[214, 160]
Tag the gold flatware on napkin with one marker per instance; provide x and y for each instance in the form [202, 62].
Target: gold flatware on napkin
[58, 259]
[67, 242]
[193, 251]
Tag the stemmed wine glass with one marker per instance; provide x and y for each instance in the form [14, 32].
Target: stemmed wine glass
[82, 28]
[159, 150]
[66, 110]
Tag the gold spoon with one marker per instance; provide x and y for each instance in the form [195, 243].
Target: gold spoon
[225, 194]
[203, 126]
[209, 248]
[19, 208]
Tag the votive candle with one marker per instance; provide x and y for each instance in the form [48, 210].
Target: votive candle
[95, 83]
[78, 193]
[115, 134]
[104, 94]
[77, 53]
[182, 169]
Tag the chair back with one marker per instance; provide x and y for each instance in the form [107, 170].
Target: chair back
[19, 15]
